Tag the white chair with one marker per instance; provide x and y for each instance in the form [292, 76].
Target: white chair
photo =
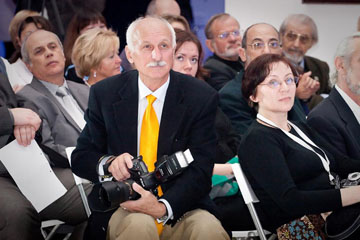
[54, 225]
[249, 199]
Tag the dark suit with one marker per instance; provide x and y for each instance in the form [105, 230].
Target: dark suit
[18, 218]
[221, 71]
[59, 130]
[187, 121]
[239, 112]
[335, 121]
[319, 70]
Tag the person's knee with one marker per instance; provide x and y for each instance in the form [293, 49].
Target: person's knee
[205, 226]
[133, 225]
[19, 220]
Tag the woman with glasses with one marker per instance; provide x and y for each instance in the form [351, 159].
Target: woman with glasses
[288, 165]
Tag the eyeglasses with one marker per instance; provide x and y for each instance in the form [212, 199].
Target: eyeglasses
[261, 45]
[304, 39]
[275, 84]
[225, 35]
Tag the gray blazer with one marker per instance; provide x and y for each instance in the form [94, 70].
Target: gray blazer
[59, 130]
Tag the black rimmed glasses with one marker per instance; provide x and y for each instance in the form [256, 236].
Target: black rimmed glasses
[275, 84]
[259, 45]
[292, 36]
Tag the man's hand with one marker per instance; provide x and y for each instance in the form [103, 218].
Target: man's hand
[307, 86]
[24, 134]
[24, 116]
[147, 203]
[120, 165]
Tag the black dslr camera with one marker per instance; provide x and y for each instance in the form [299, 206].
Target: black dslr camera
[108, 195]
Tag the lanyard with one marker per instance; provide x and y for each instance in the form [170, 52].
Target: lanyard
[305, 142]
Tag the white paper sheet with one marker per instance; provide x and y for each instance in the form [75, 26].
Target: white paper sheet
[32, 173]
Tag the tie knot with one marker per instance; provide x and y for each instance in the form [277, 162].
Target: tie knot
[150, 99]
[61, 91]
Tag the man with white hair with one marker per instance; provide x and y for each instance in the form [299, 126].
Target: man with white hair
[150, 111]
[298, 34]
[337, 118]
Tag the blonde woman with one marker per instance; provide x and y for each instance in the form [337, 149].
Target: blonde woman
[96, 55]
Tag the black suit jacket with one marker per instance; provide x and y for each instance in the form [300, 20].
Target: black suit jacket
[187, 121]
[220, 72]
[334, 120]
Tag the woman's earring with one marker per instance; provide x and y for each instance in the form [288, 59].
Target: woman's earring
[95, 74]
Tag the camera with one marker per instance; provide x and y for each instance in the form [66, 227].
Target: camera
[110, 194]
[353, 179]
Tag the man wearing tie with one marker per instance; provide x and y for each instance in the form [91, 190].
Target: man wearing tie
[153, 111]
[61, 104]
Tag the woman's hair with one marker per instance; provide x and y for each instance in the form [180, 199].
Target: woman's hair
[173, 18]
[14, 29]
[186, 36]
[77, 23]
[258, 70]
[91, 47]
[40, 23]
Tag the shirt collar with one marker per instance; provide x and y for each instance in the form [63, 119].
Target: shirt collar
[159, 93]
[53, 87]
[351, 103]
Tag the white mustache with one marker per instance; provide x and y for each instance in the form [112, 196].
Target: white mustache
[156, 64]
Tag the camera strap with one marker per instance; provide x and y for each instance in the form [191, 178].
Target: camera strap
[304, 141]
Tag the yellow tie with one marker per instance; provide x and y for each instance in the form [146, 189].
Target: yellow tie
[149, 141]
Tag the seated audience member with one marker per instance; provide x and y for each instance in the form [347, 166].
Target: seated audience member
[223, 39]
[188, 58]
[61, 103]
[96, 55]
[288, 165]
[298, 34]
[18, 217]
[155, 98]
[178, 22]
[258, 39]
[18, 74]
[337, 118]
[80, 23]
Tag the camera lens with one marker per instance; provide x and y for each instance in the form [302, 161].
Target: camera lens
[112, 193]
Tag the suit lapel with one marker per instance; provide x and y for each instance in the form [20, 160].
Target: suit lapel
[75, 92]
[345, 113]
[126, 113]
[172, 115]
[40, 88]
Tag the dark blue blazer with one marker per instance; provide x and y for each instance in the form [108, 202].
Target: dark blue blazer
[187, 121]
[334, 120]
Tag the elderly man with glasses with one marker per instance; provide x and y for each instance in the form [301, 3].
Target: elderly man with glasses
[298, 34]
[258, 39]
[223, 39]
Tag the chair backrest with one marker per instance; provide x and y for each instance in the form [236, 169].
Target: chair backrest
[249, 197]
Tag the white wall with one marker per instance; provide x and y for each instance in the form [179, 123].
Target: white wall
[334, 21]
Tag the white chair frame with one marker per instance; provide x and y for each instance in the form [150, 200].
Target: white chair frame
[249, 199]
